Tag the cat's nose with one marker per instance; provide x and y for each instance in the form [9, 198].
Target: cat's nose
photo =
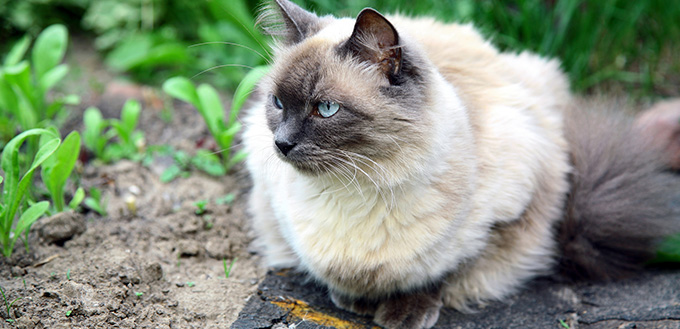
[284, 146]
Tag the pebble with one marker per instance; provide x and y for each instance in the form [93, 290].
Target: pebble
[61, 227]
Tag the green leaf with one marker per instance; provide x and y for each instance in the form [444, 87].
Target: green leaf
[209, 163]
[15, 188]
[51, 77]
[211, 108]
[244, 89]
[238, 157]
[128, 118]
[171, 173]
[77, 199]
[49, 49]
[668, 250]
[29, 217]
[18, 51]
[93, 136]
[8, 99]
[183, 89]
[59, 170]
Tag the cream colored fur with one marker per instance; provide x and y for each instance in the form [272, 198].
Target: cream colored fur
[491, 155]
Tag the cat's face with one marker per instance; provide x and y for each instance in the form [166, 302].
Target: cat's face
[342, 94]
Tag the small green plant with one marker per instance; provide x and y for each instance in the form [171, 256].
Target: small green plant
[8, 305]
[668, 251]
[207, 102]
[68, 274]
[227, 270]
[564, 324]
[57, 169]
[16, 186]
[200, 207]
[68, 313]
[227, 199]
[99, 132]
[24, 85]
[139, 293]
[96, 202]
[190, 284]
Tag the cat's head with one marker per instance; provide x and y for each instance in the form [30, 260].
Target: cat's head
[344, 93]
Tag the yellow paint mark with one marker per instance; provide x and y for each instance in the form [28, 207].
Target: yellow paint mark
[304, 312]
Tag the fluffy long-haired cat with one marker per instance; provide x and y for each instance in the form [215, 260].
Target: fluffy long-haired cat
[409, 165]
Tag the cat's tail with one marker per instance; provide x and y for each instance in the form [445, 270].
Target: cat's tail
[623, 199]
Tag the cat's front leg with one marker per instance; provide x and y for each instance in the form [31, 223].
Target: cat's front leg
[414, 310]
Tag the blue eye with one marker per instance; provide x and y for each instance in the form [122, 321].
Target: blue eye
[277, 103]
[327, 109]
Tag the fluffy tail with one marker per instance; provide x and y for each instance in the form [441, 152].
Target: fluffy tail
[623, 199]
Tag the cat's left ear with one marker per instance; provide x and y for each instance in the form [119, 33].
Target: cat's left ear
[285, 18]
[375, 40]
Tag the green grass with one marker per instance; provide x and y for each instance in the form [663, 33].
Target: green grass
[619, 45]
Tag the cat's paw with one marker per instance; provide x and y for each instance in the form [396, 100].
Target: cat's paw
[355, 305]
[414, 311]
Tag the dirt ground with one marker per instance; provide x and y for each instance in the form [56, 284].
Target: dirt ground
[152, 262]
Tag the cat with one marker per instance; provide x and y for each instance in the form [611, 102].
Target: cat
[409, 165]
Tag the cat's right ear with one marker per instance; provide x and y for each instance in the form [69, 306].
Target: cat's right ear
[288, 20]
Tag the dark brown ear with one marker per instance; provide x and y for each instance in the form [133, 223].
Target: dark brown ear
[285, 18]
[376, 41]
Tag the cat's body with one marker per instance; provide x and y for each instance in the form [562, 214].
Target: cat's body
[441, 176]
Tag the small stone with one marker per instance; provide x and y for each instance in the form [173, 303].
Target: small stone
[218, 249]
[189, 248]
[18, 271]
[61, 227]
[153, 272]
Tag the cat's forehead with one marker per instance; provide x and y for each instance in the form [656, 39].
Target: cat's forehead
[315, 68]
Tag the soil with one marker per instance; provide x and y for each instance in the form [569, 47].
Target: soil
[152, 262]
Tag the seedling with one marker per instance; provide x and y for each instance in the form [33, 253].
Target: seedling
[207, 102]
[139, 293]
[57, 169]
[96, 202]
[564, 324]
[191, 284]
[227, 199]
[15, 187]
[68, 313]
[200, 207]
[227, 271]
[99, 132]
[8, 305]
[68, 274]
[24, 85]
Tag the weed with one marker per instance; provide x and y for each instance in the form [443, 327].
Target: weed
[227, 199]
[96, 202]
[24, 85]
[15, 187]
[564, 324]
[227, 270]
[68, 313]
[200, 207]
[99, 132]
[139, 293]
[68, 274]
[57, 169]
[8, 305]
[206, 100]
[191, 284]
